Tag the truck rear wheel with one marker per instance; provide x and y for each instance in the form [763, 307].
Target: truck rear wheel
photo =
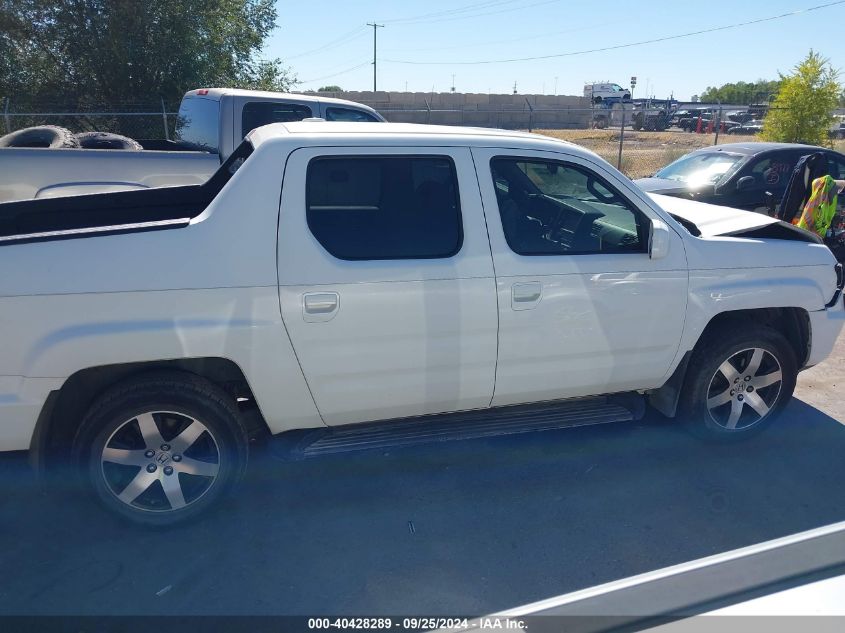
[162, 448]
[739, 380]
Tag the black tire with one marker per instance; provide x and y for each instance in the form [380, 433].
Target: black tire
[706, 383]
[46, 136]
[116, 456]
[106, 140]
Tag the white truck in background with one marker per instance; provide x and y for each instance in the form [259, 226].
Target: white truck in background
[211, 123]
[598, 92]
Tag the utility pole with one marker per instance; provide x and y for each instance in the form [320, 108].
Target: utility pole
[555, 84]
[375, 29]
[453, 82]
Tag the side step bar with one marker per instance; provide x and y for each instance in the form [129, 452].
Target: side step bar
[308, 443]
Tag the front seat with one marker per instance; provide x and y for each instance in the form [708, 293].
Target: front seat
[524, 234]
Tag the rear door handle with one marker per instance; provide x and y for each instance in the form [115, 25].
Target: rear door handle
[319, 306]
[525, 296]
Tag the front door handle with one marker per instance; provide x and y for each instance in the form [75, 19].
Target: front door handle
[319, 306]
[525, 296]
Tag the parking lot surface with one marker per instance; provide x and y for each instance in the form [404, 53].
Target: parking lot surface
[468, 527]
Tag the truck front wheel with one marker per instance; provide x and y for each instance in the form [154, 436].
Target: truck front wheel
[739, 380]
[162, 448]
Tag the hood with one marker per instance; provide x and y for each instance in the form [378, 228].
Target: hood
[661, 185]
[711, 219]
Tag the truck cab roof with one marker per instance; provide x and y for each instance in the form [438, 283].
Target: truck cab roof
[265, 95]
[414, 133]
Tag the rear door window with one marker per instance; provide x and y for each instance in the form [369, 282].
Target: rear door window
[384, 207]
[258, 113]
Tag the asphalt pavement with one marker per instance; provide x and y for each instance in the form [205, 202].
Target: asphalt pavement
[468, 527]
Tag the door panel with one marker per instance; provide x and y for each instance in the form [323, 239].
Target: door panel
[385, 338]
[604, 321]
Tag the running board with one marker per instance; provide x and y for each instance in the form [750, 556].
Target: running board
[547, 416]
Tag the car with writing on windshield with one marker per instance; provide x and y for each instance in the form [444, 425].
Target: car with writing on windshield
[736, 174]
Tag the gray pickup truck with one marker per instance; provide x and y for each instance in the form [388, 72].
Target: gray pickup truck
[211, 124]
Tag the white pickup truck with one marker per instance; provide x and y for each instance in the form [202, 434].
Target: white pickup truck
[341, 284]
[211, 123]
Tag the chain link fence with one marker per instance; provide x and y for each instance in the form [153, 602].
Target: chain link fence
[638, 139]
[138, 120]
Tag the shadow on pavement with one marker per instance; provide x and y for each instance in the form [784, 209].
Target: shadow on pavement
[463, 528]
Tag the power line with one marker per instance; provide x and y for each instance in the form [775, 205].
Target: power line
[619, 46]
[341, 72]
[470, 7]
[351, 35]
[509, 40]
[481, 15]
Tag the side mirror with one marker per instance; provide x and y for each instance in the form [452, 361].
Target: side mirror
[658, 239]
[745, 183]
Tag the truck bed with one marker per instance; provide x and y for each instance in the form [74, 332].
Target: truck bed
[141, 209]
[27, 173]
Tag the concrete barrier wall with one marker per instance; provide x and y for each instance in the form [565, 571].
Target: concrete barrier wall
[473, 109]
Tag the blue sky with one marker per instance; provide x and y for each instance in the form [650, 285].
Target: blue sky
[329, 43]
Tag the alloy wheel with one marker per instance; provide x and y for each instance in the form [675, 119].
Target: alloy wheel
[160, 461]
[744, 389]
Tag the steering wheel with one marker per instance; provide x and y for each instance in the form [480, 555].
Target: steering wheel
[601, 197]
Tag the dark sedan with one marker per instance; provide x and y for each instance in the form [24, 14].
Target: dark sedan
[736, 174]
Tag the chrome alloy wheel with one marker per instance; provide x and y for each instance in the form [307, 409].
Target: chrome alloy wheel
[160, 461]
[744, 389]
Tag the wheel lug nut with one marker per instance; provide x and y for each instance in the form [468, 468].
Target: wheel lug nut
[736, 379]
[165, 447]
[732, 392]
[151, 468]
[739, 397]
[177, 458]
[747, 378]
[149, 453]
[750, 389]
[168, 470]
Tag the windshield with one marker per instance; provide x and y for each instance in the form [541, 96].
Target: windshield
[701, 169]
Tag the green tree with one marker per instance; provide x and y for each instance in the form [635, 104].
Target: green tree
[331, 88]
[111, 52]
[742, 92]
[803, 109]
